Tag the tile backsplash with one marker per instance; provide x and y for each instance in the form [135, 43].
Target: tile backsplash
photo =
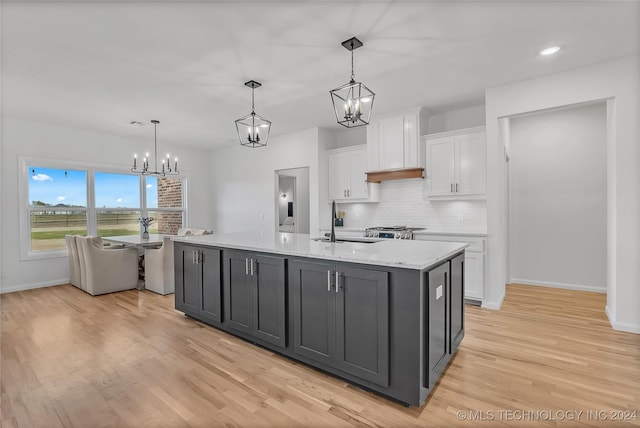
[402, 202]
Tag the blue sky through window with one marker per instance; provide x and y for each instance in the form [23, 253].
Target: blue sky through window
[152, 192]
[117, 190]
[52, 187]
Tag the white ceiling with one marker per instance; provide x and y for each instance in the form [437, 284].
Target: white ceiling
[98, 65]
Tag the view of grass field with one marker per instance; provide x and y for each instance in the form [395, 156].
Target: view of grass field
[48, 229]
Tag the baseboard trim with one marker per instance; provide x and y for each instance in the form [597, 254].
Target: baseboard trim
[577, 287]
[23, 287]
[621, 326]
[495, 305]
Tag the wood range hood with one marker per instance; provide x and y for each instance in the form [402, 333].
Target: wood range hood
[394, 174]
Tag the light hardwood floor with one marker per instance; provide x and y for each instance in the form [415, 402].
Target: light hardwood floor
[129, 359]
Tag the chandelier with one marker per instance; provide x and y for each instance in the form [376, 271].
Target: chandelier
[166, 163]
[252, 125]
[353, 101]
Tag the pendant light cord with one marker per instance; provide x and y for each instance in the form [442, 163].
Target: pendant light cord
[155, 143]
[352, 74]
[253, 111]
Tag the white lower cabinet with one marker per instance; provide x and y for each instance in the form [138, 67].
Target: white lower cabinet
[474, 262]
[474, 275]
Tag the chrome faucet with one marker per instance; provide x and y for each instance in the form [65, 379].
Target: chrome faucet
[332, 238]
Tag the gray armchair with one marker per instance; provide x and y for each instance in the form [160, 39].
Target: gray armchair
[74, 260]
[106, 270]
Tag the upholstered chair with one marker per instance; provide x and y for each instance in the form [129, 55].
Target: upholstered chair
[194, 232]
[74, 260]
[106, 271]
[158, 268]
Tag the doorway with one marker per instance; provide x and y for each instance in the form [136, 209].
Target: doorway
[292, 200]
[556, 198]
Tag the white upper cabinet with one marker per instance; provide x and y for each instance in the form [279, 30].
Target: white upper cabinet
[456, 164]
[393, 140]
[347, 176]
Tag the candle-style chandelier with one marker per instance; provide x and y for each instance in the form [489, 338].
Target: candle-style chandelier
[166, 163]
[353, 101]
[253, 129]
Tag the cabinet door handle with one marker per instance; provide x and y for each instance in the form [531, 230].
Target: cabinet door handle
[337, 281]
[246, 266]
[251, 264]
[451, 187]
[200, 257]
[328, 280]
[456, 187]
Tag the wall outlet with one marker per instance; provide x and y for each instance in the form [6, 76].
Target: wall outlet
[460, 218]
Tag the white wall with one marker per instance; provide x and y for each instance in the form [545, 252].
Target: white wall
[558, 224]
[457, 119]
[243, 184]
[348, 137]
[39, 140]
[618, 83]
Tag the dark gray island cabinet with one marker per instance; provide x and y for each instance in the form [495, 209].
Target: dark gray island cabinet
[386, 327]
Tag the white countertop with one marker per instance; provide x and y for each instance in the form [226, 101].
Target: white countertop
[425, 231]
[390, 252]
[449, 232]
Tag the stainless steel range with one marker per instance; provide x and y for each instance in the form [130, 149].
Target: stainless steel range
[391, 232]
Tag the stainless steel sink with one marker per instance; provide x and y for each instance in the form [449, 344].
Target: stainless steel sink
[358, 240]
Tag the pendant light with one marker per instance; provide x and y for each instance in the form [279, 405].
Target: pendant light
[253, 129]
[166, 163]
[353, 101]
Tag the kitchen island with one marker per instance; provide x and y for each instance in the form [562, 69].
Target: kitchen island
[387, 316]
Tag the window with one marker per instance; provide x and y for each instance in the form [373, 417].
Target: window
[118, 204]
[57, 206]
[65, 198]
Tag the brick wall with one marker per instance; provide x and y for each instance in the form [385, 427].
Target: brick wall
[169, 196]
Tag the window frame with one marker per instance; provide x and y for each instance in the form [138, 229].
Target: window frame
[25, 210]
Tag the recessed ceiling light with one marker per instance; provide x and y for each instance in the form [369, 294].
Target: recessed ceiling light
[550, 50]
